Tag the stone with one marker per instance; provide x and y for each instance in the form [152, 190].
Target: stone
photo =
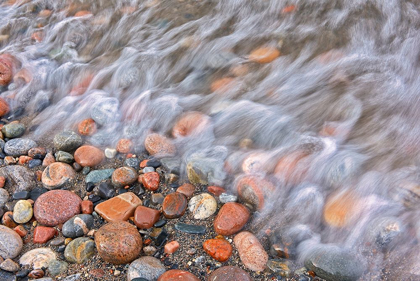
[174, 205]
[19, 195]
[19, 178]
[177, 275]
[67, 141]
[251, 252]
[4, 106]
[229, 273]
[99, 175]
[219, 248]
[2, 182]
[22, 212]
[9, 160]
[124, 146]
[87, 127]
[133, 163]
[9, 265]
[118, 242]
[56, 267]
[43, 234]
[223, 84]
[86, 207]
[171, 164]
[7, 68]
[216, 190]
[171, 247]
[10, 243]
[254, 190]
[340, 208]
[36, 274]
[106, 190]
[7, 220]
[190, 229]
[77, 226]
[105, 111]
[48, 160]
[202, 206]
[56, 206]
[205, 171]
[119, 208]
[124, 176]
[231, 218]
[36, 192]
[13, 130]
[157, 198]
[38, 258]
[79, 250]
[4, 197]
[20, 230]
[37, 152]
[225, 198]
[110, 153]
[18, 146]
[151, 181]
[88, 155]
[334, 263]
[187, 189]
[145, 218]
[265, 54]
[65, 157]
[4, 275]
[57, 175]
[148, 268]
[190, 123]
[159, 145]
[73, 277]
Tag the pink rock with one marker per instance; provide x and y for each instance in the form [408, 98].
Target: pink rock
[251, 252]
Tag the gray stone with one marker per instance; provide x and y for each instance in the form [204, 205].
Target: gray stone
[10, 243]
[171, 164]
[7, 276]
[133, 163]
[56, 267]
[105, 111]
[4, 197]
[77, 226]
[2, 143]
[99, 175]
[79, 250]
[148, 170]
[13, 130]
[19, 178]
[190, 229]
[37, 258]
[225, 198]
[220, 60]
[67, 141]
[73, 277]
[45, 279]
[62, 156]
[9, 265]
[17, 147]
[149, 268]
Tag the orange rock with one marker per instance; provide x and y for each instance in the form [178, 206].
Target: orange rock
[48, 160]
[254, 190]
[42, 234]
[171, 247]
[151, 181]
[8, 65]
[254, 163]
[24, 159]
[87, 207]
[145, 218]
[251, 252]
[45, 13]
[339, 208]
[124, 176]
[9, 160]
[178, 275]
[287, 167]
[38, 36]
[216, 190]
[157, 144]
[124, 145]
[143, 163]
[218, 248]
[288, 9]
[119, 208]
[82, 13]
[223, 84]
[190, 123]
[87, 127]
[57, 175]
[88, 155]
[20, 230]
[231, 218]
[81, 88]
[264, 54]
[239, 70]
[174, 205]
[187, 189]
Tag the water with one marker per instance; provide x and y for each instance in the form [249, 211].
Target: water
[333, 119]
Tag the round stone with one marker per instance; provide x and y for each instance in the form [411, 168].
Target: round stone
[187, 189]
[124, 176]
[202, 206]
[38, 258]
[17, 147]
[149, 268]
[254, 190]
[56, 206]
[67, 141]
[118, 242]
[57, 175]
[9, 265]
[229, 273]
[124, 146]
[264, 54]
[251, 252]
[10, 243]
[174, 205]
[13, 130]
[150, 180]
[219, 248]
[87, 127]
[231, 218]
[78, 225]
[22, 212]
[79, 250]
[89, 156]
[190, 123]
[176, 275]
[157, 144]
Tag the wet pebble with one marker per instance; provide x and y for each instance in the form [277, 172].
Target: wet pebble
[187, 189]
[110, 153]
[4, 106]
[99, 175]
[157, 144]
[65, 157]
[151, 181]
[13, 130]
[251, 252]
[119, 208]
[56, 267]
[106, 190]
[77, 226]
[105, 111]
[218, 248]
[5, 275]
[124, 176]
[11, 243]
[190, 229]
[22, 212]
[34, 163]
[231, 218]
[88, 155]
[225, 198]
[57, 175]
[36, 274]
[18, 146]
[86, 207]
[87, 127]
[67, 141]
[79, 250]
[148, 268]
[174, 205]
[133, 163]
[145, 218]
[43, 234]
[202, 206]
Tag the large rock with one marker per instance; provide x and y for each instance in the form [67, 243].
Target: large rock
[149, 268]
[19, 178]
[10, 243]
[119, 208]
[17, 147]
[57, 175]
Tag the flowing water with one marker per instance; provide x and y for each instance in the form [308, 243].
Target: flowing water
[333, 122]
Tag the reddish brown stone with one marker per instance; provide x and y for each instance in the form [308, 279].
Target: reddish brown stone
[20, 230]
[171, 247]
[254, 190]
[2, 182]
[174, 205]
[187, 189]
[150, 181]
[289, 168]
[82, 14]
[264, 54]
[124, 146]
[48, 160]
[4, 106]
[143, 163]
[42, 234]
[190, 123]
[88, 155]
[6, 73]
[219, 249]
[87, 127]
[57, 175]
[177, 275]
[251, 252]
[124, 176]
[119, 208]
[9, 160]
[37, 36]
[36, 274]
[24, 159]
[97, 273]
[8, 221]
[229, 273]
[216, 190]
[145, 218]
[231, 218]
[37, 152]
[157, 144]
[56, 206]
[340, 207]
[118, 242]
[87, 207]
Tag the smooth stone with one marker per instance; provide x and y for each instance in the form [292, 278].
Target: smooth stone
[34, 163]
[206, 171]
[124, 176]
[99, 175]
[17, 147]
[22, 212]
[231, 218]
[85, 170]
[148, 170]
[145, 218]
[38, 258]
[177, 275]
[17, 195]
[65, 157]
[225, 198]
[105, 190]
[79, 250]
[254, 191]
[229, 273]
[159, 145]
[148, 268]
[88, 155]
[110, 153]
[10, 243]
[202, 206]
[187, 189]
[219, 249]
[4, 197]
[73, 277]
[56, 267]
[171, 164]
[7, 276]
[77, 226]
[57, 241]
[13, 130]
[105, 111]
[67, 141]
[251, 252]
[36, 192]
[160, 223]
[132, 162]
[174, 205]
[9, 265]
[151, 181]
[19, 178]
[157, 198]
[57, 175]
[190, 229]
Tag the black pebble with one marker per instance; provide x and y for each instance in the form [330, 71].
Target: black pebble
[94, 198]
[106, 190]
[154, 163]
[34, 163]
[36, 192]
[22, 273]
[61, 248]
[90, 186]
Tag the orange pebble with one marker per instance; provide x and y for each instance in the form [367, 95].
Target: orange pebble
[87, 127]
[264, 54]
[222, 84]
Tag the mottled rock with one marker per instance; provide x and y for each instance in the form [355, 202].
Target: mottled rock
[159, 145]
[10, 243]
[57, 175]
[67, 141]
[190, 123]
[219, 248]
[190, 229]
[86, 207]
[22, 212]
[19, 178]
[254, 190]
[150, 181]
[89, 156]
[119, 208]
[99, 175]
[231, 218]
[202, 206]
[4, 197]
[13, 130]
[251, 252]
[124, 146]
[77, 226]
[148, 268]
[37, 258]
[229, 273]
[187, 189]
[18, 146]
[177, 275]
[124, 176]
[79, 250]
[174, 205]
[145, 218]
[9, 265]
[264, 54]
[56, 267]
[65, 157]
[87, 127]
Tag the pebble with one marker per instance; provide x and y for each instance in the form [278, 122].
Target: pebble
[216, 190]
[190, 123]
[56, 206]
[77, 226]
[149, 250]
[37, 152]
[124, 146]
[229, 273]
[7, 220]
[20, 230]
[9, 265]
[339, 209]
[36, 192]
[205, 171]
[57, 175]
[223, 84]
[88, 155]
[65, 157]
[38, 258]
[145, 218]
[36, 274]
[148, 170]
[13, 130]
[190, 229]
[177, 275]
[174, 205]
[19, 146]
[86, 207]
[110, 153]
[106, 190]
[99, 175]
[171, 247]
[119, 208]
[67, 141]
[225, 198]
[4, 197]
[24, 160]
[105, 111]
[159, 145]
[118, 242]
[4, 275]
[57, 241]
[11, 243]
[157, 198]
[231, 218]
[56, 267]
[2, 182]
[22, 212]
[219, 249]
[9, 160]
[264, 54]
[187, 189]
[43, 234]
[251, 252]
[202, 206]
[124, 176]
[148, 268]
[79, 250]
[34, 163]
[132, 162]
[87, 127]
[48, 160]
[254, 191]
[73, 277]
[151, 181]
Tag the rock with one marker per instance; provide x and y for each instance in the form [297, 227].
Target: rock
[4, 106]
[334, 263]
[9, 265]
[251, 252]
[151, 181]
[87, 207]
[20, 230]
[118, 242]
[190, 229]
[124, 146]
[159, 145]
[22, 212]
[37, 152]
[65, 157]
[229, 273]
[216, 190]
[11, 243]
[99, 175]
[119, 208]
[87, 127]
[67, 141]
[254, 190]
[222, 85]
[231, 218]
[19, 195]
[110, 153]
[133, 163]
[177, 275]
[202, 206]
[157, 198]
[37, 258]
[56, 267]
[106, 190]
[48, 160]
[145, 218]
[79, 250]
[17, 147]
[340, 208]
[57, 174]
[264, 54]
[124, 176]
[77, 226]
[72, 277]
[36, 274]
[171, 247]
[148, 268]
[225, 198]
[105, 111]
[186, 189]
[171, 164]
[191, 123]
[88, 155]
[9, 160]
[174, 205]
[2, 182]
[4, 197]
[219, 248]
[7, 69]
[13, 130]
[7, 220]
[43, 234]
[56, 206]
[36, 192]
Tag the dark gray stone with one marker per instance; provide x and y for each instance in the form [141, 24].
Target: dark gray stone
[7, 276]
[190, 229]
[77, 226]
[67, 141]
[65, 157]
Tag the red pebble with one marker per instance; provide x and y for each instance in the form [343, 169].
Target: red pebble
[143, 163]
[187, 189]
[218, 248]
[124, 146]
[171, 247]
[42, 234]
[151, 181]
[178, 275]
[2, 181]
[87, 207]
[20, 230]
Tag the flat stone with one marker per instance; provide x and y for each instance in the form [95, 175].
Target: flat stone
[43, 234]
[231, 218]
[176, 274]
[79, 250]
[77, 226]
[22, 212]
[251, 252]
[17, 195]
[19, 178]
[9, 265]
[13, 130]
[88, 155]
[48, 160]
[174, 205]
[67, 141]
[119, 208]
[17, 147]
[229, 273]
[202, 206]
[99, 175]
[38, 258]
[124, 176]
[151, 181]
[57, 175]
[10, 243]
[190, 229]
[56, 267]
[145, 218]
[148, 268]
[219, 249]
[106, 190]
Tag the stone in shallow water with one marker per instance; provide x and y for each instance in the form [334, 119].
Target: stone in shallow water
[77, 226]
[105, 111]
[79, 250]
[99, 175]
[225, 198]
[4, 197]
[67, 141]
[38, 258]
[10, 243]
[17, 147]
[190, 229]
[145, 267]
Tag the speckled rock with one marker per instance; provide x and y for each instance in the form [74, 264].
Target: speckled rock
[219, 248]
[231, 218]
[22, 212]
[202, 206]
[17, 147]
[10, 243]
[19, 178]
[159, 145]
[229, 273]
[56, 267]
[9, 265]
[67, 141]
[57, 175]
[77, 226]
[88, 156]
[251, 252]
[124, 176]
[4, 197]
[13, 130]
[38, 258]
[148, 268]
[174, 205]
[79, 250]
